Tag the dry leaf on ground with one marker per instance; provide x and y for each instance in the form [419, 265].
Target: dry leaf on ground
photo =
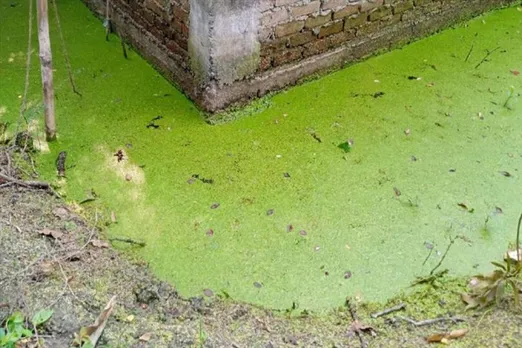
[53, 233]
[146, 337]
[99, 243]
[445, 337]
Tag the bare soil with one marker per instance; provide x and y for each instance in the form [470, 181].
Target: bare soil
[72, 270]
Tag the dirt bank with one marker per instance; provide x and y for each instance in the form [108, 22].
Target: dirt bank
[51, 258]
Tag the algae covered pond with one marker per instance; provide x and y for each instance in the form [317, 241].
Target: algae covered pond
[268, 209]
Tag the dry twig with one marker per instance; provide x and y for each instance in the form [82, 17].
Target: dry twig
[389, 310]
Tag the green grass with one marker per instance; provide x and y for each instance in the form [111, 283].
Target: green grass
[344, 201]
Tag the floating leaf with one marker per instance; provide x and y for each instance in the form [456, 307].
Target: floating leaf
[464, 206]
[397, 192]
[505, 173]
[214, 206]
[303, 233]
[289, 228]
[345, 146]
[515, 72]
[258, 285]
[210, 232]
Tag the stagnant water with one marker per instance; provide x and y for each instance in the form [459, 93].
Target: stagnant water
[278, 214]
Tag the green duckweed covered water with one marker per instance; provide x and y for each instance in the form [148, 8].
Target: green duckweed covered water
[460, 137]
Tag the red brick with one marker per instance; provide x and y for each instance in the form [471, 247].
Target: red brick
[380, 12]
[312, 22]
[289, 28]
[367, 6]
[333, 4]
[355, 21]
[307, 9]
[336, 40]
[301, 38]
[347, 11]
[265, 63]
[287, 56]
[330, 29]
[402, 6]
[315, 47]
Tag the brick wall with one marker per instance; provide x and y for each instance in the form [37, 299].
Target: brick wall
[219, 52]
[159, 29]
[295, 29]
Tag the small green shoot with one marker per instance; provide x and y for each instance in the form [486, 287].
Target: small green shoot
[16, 330]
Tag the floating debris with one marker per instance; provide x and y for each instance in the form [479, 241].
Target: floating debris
[210, 232]
[270, 212]
[397, 192]
[258, 285]
[289, 228]
[214, 206]
[286, 175]
[407, 131]
[316, 137]
[303, 233]
[378, 94]
[505, 173]
[119, 155]
[208, 292]
[347, 275]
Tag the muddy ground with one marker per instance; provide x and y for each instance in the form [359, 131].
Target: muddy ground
[51, 258]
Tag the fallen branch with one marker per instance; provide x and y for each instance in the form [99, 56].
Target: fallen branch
[30, 184]
[388, 311]
[128, 240]
[353, 313]
[430, 321]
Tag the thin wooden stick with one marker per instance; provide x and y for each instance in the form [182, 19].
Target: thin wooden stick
[47, 70]
[518, 238]
[107, 21]
[486, 57]
[430, 321]
[128, 240]
[388, 311]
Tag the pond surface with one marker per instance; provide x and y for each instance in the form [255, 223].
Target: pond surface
[268, 209]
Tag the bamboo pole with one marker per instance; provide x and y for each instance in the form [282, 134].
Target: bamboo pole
[47, 70]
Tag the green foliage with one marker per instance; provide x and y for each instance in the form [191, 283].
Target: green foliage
[489, 289]
[83, 339]
[16, 329]
[42, 316]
